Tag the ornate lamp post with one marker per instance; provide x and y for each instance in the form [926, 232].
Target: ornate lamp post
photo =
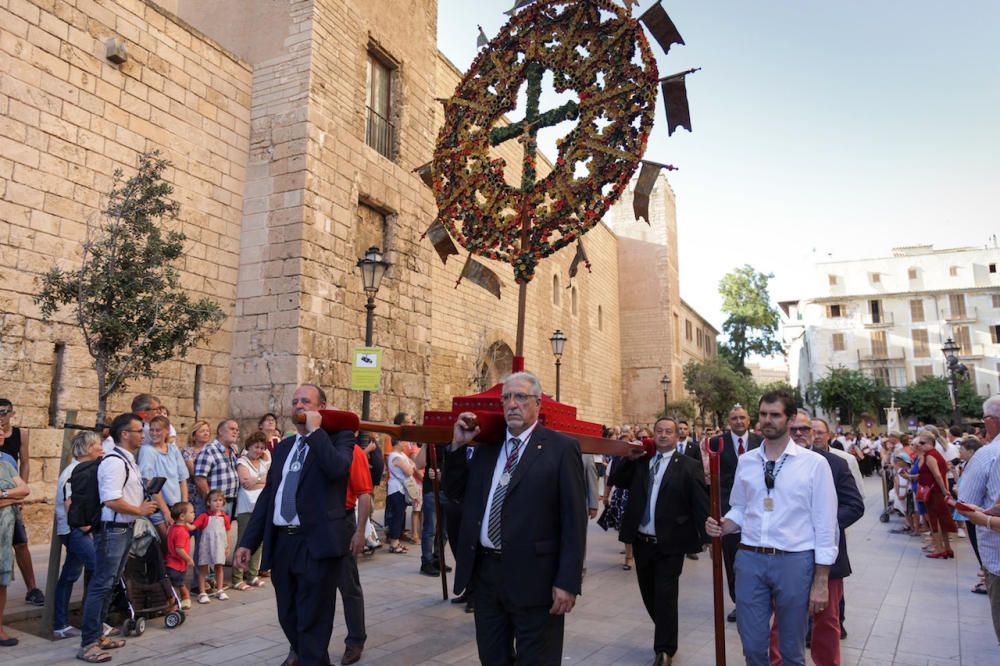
[372, 267]
[956, 374]
[666, 391]
[558, 341]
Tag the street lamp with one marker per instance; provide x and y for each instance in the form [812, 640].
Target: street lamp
[956, 373]
[666, 392]
[372, 267]
[558, 341]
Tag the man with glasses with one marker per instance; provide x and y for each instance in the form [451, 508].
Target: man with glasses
[825, 629]
[785, 505]
[215, 466]
[14, 444]
[120, 488]
[663, 521]
[523, 534]
[980, 487]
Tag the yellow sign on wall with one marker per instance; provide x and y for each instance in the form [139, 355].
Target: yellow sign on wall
[366, 368]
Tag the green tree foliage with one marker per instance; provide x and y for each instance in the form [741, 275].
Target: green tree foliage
[851, 392]
[715, 386]
[752, 322]
[125, 296]
[929, 400]
[681, 409]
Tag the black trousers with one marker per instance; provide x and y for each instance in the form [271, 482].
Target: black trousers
[503, 630]
[453, 523]
[349, 584]
[305, 590]
[659, 585]
[730, 544]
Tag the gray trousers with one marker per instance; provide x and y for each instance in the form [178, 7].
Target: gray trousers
[349, 584]
[993, 589]
[773, 582]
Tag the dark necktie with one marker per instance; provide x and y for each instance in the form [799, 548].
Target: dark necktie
[739, 446]
[493, 527]
[650, 509]
[288, 510]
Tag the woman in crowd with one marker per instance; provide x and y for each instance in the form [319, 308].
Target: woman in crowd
[79, 542]
[268, 425]
[970, 444]
[401, 468]
[616, 499]
[160, 458]
[932, 476]
[13, 490]
[252, 469]
[198, 439]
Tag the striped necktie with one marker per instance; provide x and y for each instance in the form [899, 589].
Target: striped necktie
[493, 527]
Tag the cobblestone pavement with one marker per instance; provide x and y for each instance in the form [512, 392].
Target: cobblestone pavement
[901, 609]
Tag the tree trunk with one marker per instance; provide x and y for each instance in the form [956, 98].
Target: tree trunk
[102, 398]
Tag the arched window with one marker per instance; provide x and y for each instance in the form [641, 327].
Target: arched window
[555, 290]
[574, 300]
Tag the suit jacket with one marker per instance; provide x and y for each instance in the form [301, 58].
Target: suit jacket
[692, 448]
[850, 508]
[321, 496]
[544, 517]
[728, 460]
[681, 505]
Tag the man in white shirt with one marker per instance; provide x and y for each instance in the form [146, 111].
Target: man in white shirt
[121, 494]
[785, 504]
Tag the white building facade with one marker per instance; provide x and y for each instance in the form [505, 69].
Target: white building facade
[890, 316]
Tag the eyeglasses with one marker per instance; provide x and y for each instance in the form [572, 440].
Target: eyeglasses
[6, 412]
[769, 474]
[800, 428]
[518, 397]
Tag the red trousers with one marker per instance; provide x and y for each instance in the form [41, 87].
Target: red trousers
[825, 646]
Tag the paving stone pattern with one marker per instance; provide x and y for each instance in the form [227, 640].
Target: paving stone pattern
[902, 609]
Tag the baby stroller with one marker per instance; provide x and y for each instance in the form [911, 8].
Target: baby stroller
[145, 591]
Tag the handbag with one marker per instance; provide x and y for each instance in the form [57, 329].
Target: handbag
[923, 493]
[413, 489]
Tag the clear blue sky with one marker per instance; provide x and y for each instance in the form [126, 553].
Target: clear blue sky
[821, 129]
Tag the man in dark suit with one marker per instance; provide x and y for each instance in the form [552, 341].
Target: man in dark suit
[299, 519]
[523, 533]
[737, 441]
[664, 520]
[824, 641]
[686, 445]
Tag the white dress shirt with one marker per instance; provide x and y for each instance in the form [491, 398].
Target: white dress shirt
[484, 538]
[648, 526]
[743, 439]
[112, 484]
[804, 514]
[278, 519]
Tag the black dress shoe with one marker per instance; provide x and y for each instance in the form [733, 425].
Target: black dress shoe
[732, 616]
[429, 569]
[843, 632]
[291, 660]
[8, 642]
[460, 599]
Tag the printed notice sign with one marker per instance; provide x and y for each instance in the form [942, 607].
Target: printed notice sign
[366, 368]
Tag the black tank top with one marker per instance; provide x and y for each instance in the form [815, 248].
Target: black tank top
[12, 445]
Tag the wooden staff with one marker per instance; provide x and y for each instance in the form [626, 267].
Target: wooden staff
[438, 514]
[715, 495]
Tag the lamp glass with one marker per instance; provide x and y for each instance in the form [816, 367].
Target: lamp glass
[372, 269]
[558, 341]
[950, 347]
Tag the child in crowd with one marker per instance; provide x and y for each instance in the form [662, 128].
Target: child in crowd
[214, 526]
[179, 549]
[900, 491]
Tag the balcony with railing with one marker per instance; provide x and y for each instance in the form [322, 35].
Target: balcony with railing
[963, 316]
[967, 352]
[877, 320]
[380, 133]
[883, 354]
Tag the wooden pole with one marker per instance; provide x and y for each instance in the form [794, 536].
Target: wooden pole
[715, 492]
[438, 516]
